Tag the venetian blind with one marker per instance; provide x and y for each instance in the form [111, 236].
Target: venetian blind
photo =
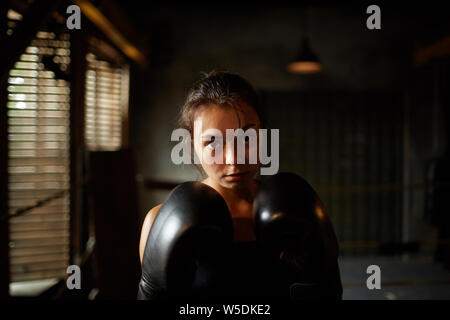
[38, 157]
[106, 103]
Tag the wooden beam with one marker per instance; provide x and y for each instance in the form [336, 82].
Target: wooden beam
[4, 223]
[113, 203]
[116, 37]
[440, 48]
[121, 20]
[77, 143]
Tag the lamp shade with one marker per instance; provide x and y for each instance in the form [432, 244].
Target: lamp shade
[306, 61]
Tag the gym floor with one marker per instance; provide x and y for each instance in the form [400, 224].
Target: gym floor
[402, 278]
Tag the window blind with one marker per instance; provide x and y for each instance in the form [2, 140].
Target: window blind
[106, 104]
[38, 158]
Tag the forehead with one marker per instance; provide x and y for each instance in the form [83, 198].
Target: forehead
[225, 117]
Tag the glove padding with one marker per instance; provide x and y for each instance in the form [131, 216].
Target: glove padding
[186, 245]
[293, 227]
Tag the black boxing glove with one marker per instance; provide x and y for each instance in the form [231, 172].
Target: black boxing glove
[186, 245]
[293, 228]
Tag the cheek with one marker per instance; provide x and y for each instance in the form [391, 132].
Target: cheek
[197, 150]
[211, 169]
[252, 152]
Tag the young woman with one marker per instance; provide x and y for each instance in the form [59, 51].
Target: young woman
[295, 255]
[222, 101]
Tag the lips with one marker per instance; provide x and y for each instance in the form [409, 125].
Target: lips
[235, 176]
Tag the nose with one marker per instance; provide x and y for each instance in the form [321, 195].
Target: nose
[230, 154]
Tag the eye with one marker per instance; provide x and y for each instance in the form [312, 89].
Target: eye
[212, 143]
[244, 138]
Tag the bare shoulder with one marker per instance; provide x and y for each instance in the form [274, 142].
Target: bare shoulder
[146, 226]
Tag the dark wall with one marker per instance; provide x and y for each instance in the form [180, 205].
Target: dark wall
[257, 42]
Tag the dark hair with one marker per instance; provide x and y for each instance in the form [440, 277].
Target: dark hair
[220, 88]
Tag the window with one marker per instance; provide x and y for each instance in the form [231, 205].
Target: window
[106, 103]
[38, 157]
[38, 113]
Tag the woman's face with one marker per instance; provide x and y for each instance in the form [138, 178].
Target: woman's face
[229, 174]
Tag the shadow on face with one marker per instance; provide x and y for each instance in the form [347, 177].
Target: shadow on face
[218, 152]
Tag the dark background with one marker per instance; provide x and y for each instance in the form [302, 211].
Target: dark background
[370, 132]
[370, 118]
